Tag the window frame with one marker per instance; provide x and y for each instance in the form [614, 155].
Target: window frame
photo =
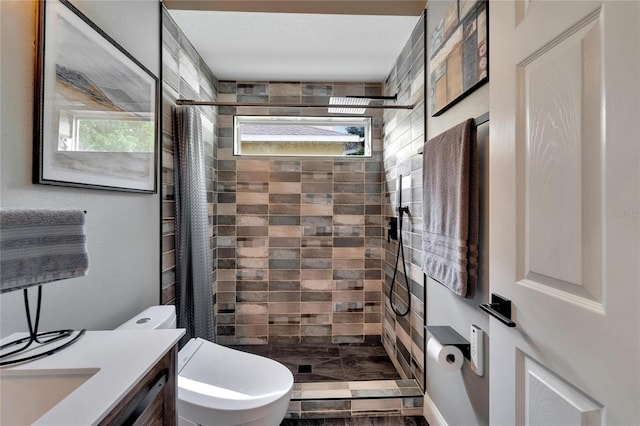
[73, 118]
[345, 121]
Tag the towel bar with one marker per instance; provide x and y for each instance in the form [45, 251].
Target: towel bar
[481, 119]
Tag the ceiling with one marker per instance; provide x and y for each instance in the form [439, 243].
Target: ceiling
[339, 41]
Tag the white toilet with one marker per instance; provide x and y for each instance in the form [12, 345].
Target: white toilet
[218, 386]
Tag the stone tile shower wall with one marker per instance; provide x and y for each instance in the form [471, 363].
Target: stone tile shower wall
[300, 243]
[184, 75]
[299, 239]
[404, 134]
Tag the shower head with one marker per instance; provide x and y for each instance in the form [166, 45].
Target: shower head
[359, 102]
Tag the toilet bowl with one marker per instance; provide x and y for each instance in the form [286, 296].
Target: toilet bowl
[219, 386]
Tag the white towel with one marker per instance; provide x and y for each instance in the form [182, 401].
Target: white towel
[451, 209]
[40, 246]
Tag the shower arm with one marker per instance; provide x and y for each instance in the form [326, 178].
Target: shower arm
[293, 105]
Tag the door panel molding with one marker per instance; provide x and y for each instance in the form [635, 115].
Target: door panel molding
[541, 393]
[560, 148]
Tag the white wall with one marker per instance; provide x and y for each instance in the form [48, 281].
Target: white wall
[123, 229]
[461, 398]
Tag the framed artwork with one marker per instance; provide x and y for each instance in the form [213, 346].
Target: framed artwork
[458, 54]
[96, 107]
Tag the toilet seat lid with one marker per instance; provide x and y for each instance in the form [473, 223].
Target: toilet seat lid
[217, 377]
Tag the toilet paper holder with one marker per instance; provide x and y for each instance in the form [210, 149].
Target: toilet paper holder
[447, 336]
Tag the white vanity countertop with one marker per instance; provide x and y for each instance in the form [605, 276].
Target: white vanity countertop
[122, 358]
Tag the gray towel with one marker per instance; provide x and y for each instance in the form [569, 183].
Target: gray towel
[451, 209]
[39, 246]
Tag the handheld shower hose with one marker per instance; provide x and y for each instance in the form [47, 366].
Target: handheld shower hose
[400, 252]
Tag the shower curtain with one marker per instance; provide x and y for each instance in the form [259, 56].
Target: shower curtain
[194, 296]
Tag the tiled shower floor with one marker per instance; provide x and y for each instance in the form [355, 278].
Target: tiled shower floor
[330, 363]
[344, 384]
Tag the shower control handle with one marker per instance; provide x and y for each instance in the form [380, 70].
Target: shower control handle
[392, 233]
[403, 210]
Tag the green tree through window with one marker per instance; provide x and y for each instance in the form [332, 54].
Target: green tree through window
[115, 135]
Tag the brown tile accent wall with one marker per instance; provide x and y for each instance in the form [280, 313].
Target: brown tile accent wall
[403, 138]
[300, 245]
[184, 75]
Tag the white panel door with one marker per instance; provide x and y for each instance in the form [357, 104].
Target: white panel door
[565, 212]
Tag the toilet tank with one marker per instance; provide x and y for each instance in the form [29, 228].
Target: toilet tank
[155, 317]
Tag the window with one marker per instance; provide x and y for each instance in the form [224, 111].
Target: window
[302, 136]
[105, 131]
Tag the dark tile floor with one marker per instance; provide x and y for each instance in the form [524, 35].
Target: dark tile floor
[359, 421]
[328, 363]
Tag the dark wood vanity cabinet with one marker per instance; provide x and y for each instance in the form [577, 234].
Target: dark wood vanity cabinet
[153, 400]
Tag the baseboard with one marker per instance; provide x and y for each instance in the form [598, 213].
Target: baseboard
[431, 413]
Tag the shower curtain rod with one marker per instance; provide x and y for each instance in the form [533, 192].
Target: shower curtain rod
[286, 105]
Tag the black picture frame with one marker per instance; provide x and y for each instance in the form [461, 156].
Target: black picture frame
[96, 107]
[457, 51]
